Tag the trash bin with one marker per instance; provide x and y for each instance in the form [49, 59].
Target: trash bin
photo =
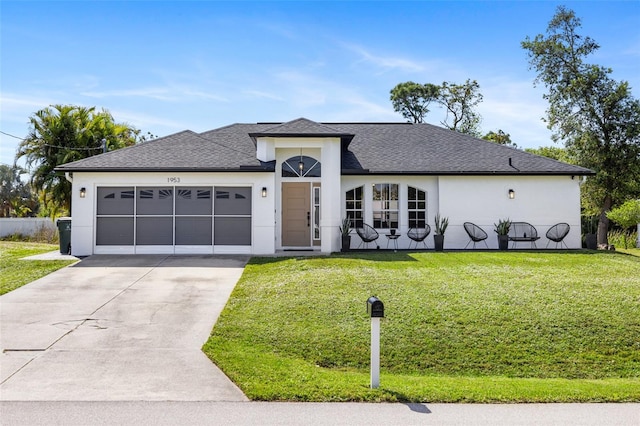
[64, 231]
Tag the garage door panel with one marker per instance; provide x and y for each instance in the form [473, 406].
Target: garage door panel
[114, 200]
[154, 231]
[193, 201]
[114, 231]
[232, 231]
[154, 201]
[193, 231]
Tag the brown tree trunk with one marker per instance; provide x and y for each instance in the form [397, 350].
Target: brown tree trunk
[603, 223]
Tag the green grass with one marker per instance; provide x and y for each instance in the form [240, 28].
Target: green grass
[15, 273]
[459, 326]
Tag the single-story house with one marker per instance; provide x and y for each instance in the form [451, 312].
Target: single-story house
[268, 187]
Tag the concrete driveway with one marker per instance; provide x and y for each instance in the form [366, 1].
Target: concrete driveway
[115, 328]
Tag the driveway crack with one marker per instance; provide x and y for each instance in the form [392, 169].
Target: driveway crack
[82, 322]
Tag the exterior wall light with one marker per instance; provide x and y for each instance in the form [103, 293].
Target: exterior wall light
[264, 192]
[301, 163]
[512, 194]
[83, 192]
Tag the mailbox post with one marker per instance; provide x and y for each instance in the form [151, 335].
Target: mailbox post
[375, 308]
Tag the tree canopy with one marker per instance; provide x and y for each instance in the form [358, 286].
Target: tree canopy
[15, 196]
[627, 215]
[555, 152]
[460, 100]
[60, 134]
[499, 137]
[595, 116]
[412, 99]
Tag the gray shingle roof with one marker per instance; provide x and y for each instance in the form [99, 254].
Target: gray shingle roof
[301, 127]
[185, 151]
[368, 148]
[406, 148]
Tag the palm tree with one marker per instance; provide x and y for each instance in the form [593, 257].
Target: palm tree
[60, 134]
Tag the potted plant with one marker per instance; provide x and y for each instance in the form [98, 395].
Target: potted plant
[441, 227]
[345, 230]
[589, 227]
[502, 229]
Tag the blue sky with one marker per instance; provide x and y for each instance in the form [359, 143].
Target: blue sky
[168, 66]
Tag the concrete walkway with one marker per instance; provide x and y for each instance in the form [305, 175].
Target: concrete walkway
[118, 328]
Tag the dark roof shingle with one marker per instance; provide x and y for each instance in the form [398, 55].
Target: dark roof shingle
[370, 148]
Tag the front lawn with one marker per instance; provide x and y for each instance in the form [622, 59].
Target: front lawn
[460, 326]
[15, 272]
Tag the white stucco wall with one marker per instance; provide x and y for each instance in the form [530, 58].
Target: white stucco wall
[540, 200]
[83, 209]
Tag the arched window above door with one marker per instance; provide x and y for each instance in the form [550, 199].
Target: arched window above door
[301, 166]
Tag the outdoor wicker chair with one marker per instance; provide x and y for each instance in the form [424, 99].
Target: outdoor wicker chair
[476, 234]
[557, 233]
[367, 234]
[419, 235]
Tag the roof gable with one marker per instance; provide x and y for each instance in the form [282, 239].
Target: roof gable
[301, 127]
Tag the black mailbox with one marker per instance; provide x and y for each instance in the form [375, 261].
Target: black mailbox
[375, 307]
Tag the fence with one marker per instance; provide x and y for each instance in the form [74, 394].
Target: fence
[26, 226]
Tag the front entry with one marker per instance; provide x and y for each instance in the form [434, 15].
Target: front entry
[296, 214]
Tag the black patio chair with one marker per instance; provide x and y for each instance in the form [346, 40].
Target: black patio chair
[367, 234]
[476, 234]
[419, 235]
[557, 233]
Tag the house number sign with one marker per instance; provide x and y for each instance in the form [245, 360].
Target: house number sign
[173, 179]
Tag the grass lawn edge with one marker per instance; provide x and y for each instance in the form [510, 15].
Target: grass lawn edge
[265, 376]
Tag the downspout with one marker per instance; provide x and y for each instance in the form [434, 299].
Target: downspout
[68, 176]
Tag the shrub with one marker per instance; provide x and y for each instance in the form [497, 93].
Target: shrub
[622, 239]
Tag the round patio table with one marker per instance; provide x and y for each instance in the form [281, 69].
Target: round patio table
[394, 238]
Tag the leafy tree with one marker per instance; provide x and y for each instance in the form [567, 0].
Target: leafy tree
[63, 133]
[16, 198]
[499, 137]
[627, 215]
[11, 188]
[459, 100]
[554, 152]
[596, 116]
[412, 99]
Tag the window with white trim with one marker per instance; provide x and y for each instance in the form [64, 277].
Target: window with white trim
[316, 213]
[385, 205]
[301, 166]
[417, 207]
[354, 207]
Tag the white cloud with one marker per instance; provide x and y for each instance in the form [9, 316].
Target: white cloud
[517, 108]
[168, 94]
[387, 63]
[146, 121]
